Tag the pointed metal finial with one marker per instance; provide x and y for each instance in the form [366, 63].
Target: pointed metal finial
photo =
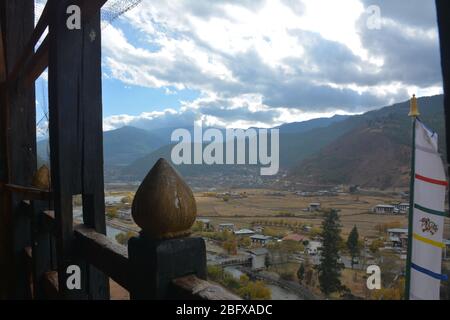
[413, 107]
[164, 205]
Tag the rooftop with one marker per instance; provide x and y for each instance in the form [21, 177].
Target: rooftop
[244, 231]
[260, 237]
[398, 230]
[258, 251]
[384, 206]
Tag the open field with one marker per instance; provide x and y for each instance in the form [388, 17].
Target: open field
[260, 204]
[265, 204]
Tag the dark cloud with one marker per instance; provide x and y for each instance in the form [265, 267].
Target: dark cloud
[300, 91]
[243, 112]
[410, 56]
[416, 13]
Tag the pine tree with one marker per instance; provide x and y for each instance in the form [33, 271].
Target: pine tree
[329, 268]
[301, 272]
[352, 244]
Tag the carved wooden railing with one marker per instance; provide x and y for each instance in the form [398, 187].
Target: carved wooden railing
[163, 265]
[163, 262]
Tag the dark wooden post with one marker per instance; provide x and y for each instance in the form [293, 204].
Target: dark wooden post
[164, 207]
[76, 140]
[443, 20]
[40, 235]
[18, 143]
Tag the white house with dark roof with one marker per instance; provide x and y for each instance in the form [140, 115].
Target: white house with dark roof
[314, 206]
[398, 237]
[384, 209]
[226, 226]
[260, 239]
[258, 258]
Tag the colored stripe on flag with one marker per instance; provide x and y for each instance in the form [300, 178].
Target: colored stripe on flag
[430, 273]
[431, 211]
[428, 241]
[431, 180]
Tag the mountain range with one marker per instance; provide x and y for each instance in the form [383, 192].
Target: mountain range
[370, 150]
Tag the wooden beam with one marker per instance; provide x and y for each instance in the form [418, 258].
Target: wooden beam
[2, 58]
[37, 64]
[26, 193]
[104, 254]
[28, 50]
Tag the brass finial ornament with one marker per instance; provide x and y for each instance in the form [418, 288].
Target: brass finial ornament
[413, 107]
[41, 178]
[164, 205]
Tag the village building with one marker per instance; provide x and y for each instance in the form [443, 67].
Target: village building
[206, 223]
[313, 247]
[258, 229]
[398, 237]
[259, 257]
[259, 239]
[384, 209]
[314, 206]
[403, 207]
[446, 250]
[244, 232]
[226, 226]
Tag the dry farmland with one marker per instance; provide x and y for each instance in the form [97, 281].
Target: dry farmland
[260, 204]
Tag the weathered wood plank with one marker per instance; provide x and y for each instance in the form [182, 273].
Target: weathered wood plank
[2, 58]
[37, 64]
[26, 193]
[41, 247]
[104, 254]
[193, 288]
[28, 49]
[51, 286]
[19, 123]
[76, 127]
[91, 100]
[48, 223]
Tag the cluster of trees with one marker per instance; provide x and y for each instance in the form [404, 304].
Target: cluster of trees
[353, 244]
[375, 245]
[394, 292]
[305, 273]
[244, 287]
[230, 245]
[383, 227]
[111, 212]
[123, 237]
[291, 225]
[128, 199]
[329, 269]
[287, 246]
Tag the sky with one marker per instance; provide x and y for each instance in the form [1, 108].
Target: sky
[262, 62]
